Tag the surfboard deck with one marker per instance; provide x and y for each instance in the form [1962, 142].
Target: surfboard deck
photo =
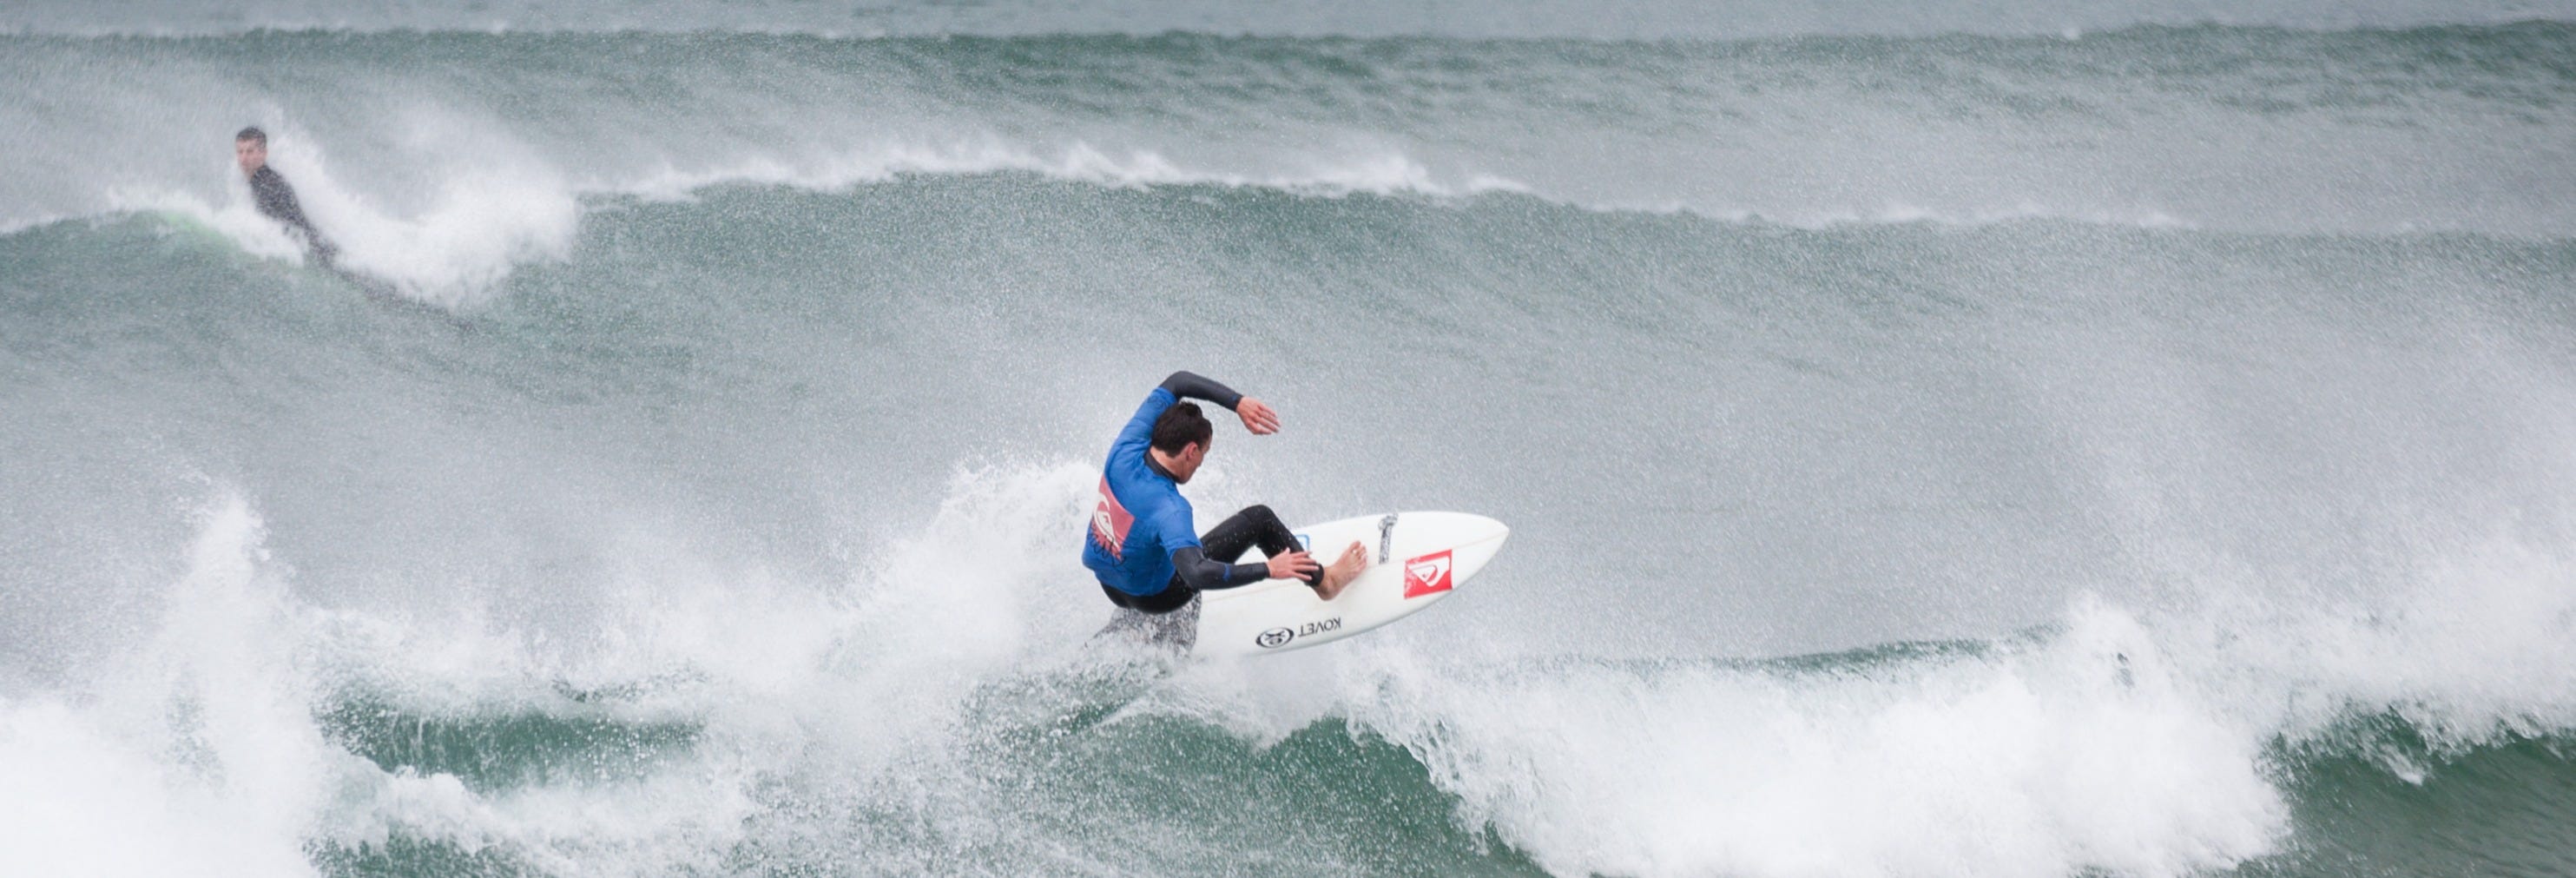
[1416, 559]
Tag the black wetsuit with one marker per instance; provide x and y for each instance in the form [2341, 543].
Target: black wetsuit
[1205, 568]
[276, 201]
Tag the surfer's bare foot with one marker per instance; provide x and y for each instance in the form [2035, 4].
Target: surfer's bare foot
[1344, 569]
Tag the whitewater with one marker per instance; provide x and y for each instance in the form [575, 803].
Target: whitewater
[1966, 439]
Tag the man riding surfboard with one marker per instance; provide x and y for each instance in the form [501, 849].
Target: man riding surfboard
[1143, 544]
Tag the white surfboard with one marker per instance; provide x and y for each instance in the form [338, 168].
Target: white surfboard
[1416, 559]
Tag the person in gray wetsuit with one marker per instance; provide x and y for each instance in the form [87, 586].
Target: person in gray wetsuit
[275, 199]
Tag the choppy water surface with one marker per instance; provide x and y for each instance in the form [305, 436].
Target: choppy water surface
[1967, 442]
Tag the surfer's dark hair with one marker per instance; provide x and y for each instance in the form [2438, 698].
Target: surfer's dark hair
[252, 133]
[1181, 425]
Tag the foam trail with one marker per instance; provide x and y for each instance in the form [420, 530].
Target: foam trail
[1383, 173]
[2482, 648]
[2041, 763]
[199, 758]
[2137, 744]
[494, 209]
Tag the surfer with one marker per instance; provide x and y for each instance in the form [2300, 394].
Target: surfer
[276, 200]
[1144, 546]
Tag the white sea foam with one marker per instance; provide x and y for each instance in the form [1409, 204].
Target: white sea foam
[2484, 644]
[200, 751]
[1383, 173]
[2135, 743]
[2037, 763]
[2120, 740]
[197, 757]
[87, 798]
[482, 221]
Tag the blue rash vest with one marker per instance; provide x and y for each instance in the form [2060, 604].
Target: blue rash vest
[1142, 536]
[1140, 517]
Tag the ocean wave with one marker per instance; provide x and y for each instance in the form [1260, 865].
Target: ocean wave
[729, 531]
[953, 682]
[1652, 19]
[2163, 743]
[453, 159]
[459, 251]
[1387, 173]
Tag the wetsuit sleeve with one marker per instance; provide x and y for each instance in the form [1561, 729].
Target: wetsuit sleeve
[1199, 572]
[276, 200]
[1191, 385]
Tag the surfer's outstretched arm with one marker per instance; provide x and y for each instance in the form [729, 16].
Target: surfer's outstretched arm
[1192, 385]
[1257, 416]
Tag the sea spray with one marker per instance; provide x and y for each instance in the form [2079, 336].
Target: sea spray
[2139, 453]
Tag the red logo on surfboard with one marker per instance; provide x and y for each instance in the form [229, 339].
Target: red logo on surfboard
[1428, 574]
[1109, 522]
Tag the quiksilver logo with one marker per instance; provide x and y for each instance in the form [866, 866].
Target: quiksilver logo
[1109, 522]
[1425, 575]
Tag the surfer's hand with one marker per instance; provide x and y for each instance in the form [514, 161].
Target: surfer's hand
[1257, 417]
[1294, 565]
